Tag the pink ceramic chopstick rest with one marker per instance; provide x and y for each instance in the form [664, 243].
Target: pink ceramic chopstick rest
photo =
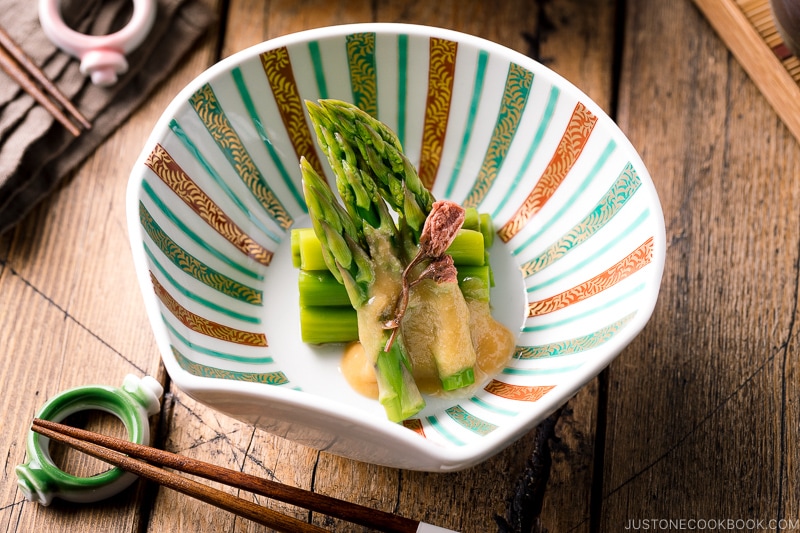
[102, 56]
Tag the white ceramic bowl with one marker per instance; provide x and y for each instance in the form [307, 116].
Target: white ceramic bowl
[578, 258]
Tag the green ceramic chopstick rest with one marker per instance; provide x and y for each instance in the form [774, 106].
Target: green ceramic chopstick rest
[40, 480]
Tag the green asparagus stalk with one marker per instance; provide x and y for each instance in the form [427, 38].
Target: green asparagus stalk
[318, 288]
[350, 135]
[360, 252]
[467, 249]
[358, 145]
[321, 325]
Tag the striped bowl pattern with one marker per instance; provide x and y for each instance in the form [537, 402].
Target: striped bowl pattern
[578, 256]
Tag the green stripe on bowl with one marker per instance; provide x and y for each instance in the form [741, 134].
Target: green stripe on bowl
[601, 214]
[205, 371]
[277, 66]
[167, 168]
[441, 430]
[574, 345]
[587, 180]
[607, 247]
[491, 407]
[255, 118]
[205, 103]
[515, 97]
[474, 104]
[512, 371]
[319, 70]
[194, 267]
[203, 325]
[467, 420]
[402, 86]
[196, 297]
[541, 129]
[187, 142]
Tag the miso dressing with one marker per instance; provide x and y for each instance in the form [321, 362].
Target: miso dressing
[492, 342]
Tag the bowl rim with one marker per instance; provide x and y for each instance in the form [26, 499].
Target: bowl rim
[447, 458]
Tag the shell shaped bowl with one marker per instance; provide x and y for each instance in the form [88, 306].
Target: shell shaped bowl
[578, 255]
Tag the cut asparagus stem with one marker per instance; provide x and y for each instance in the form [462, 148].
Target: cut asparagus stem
[467, 249]
[320, 288]
[321, 325]
[472, 219]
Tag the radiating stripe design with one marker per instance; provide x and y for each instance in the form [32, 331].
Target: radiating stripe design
[572, 143]
[258, 124]
[193, 266]
[199, 298]
[205, 326]
[205, 371]
[278, 68]
[477, 89]
[517, 371]
[522, 393]
[574, 345]
[595, 313]
[435, 424]
[541, 129]
[402, 86]
[493, 408]
[208, 108]
[166, 168]
[193, 235]
[363, 74]
[201, 158]
[469, 421]
[637, 259]
[319, 70]
[609, 205]
[415, 425]
[441, 75]
[515, 97]
[222, 356]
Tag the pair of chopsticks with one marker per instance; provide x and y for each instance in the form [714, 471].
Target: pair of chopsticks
[126, 455]
[22, 69]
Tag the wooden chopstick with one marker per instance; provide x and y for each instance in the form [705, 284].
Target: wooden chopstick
[23, 70]
[111, 450]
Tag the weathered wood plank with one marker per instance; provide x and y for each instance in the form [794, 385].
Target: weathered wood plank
[695, 419]
[72, 312]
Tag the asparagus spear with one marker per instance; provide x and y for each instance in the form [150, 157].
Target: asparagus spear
[358, 145]
[362, 256]
[347, 133]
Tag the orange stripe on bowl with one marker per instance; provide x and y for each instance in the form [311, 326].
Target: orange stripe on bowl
[166, 168]
[278, 69]
[203, 325]
[633, 262]
[522, 393]
[415, 425]
[572, 143]
[441, 74]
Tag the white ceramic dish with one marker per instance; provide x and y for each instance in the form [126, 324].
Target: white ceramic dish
[578, 258]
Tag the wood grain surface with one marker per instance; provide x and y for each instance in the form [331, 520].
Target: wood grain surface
[696, 420]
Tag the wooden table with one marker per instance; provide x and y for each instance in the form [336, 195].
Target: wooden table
[698, 419]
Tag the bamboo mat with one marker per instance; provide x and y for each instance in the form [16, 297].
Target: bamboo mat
[748, 30]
